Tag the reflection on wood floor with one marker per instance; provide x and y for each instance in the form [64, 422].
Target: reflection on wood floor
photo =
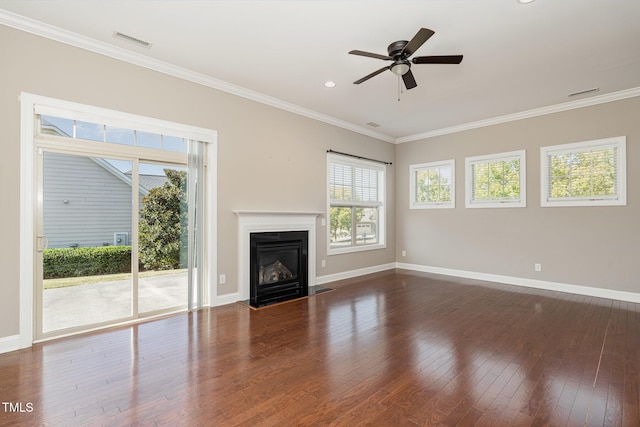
[394, 348]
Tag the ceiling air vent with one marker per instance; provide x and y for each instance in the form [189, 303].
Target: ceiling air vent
[584, 92]
[133, 40]
[373, 125]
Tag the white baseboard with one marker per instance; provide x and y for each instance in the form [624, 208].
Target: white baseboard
[530, 283]
[321, 280]
[10, 343]
[227, 299]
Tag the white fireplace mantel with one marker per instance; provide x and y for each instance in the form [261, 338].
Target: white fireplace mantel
[269, 221]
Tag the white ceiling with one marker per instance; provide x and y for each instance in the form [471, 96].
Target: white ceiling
[517, 57]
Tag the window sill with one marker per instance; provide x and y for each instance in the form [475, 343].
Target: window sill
[353, 249]
[583, 203]
[432, 206]
[492, 205]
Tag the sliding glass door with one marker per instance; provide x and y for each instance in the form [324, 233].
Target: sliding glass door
[118, 217]
[85, 242]
[112, 241]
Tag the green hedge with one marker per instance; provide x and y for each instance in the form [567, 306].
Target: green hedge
[76, 262]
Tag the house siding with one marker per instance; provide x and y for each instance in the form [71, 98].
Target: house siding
[98, 204]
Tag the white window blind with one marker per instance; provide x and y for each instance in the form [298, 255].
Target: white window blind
[355, 204]
[353, 184]
[584, 173]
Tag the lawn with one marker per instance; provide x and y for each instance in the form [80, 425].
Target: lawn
[76, 281]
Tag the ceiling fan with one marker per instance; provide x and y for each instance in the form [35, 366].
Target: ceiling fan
[399, 53]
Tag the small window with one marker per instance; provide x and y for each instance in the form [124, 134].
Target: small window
[432, 185]
[89, 131]
[590, 173]
[116, 135]
[496, 180]
[69, 128]
[356, 205]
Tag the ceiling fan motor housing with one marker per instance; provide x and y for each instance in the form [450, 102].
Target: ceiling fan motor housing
[395, 49]
[401, 65]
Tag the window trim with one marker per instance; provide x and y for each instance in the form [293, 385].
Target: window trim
[505, 156]
[381, 204]
[620, 199]
[413, 169]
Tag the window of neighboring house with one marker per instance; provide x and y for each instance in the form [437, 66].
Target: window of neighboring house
[590, 173]
[356, 204]
[496, 180]
[432, 185]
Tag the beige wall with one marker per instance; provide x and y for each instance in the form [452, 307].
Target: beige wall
[588, 246]
[594, 246]
[267, 158]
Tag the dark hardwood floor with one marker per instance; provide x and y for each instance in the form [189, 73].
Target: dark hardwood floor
[394, 348]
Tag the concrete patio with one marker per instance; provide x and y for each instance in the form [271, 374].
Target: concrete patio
[100, 302]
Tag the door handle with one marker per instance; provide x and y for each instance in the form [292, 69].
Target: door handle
[43, 243]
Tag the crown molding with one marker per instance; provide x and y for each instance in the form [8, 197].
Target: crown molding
[601, 99]
[73, 39]
[67, 37]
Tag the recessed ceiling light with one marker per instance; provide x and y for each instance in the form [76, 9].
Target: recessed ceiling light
[525, 1]
[329, 84]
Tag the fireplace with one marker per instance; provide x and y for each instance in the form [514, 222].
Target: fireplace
[262, 222]
[278, 264]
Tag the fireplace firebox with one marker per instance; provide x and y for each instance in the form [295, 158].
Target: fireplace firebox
[278, 264]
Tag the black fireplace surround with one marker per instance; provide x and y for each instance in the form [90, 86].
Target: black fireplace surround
[278, 265]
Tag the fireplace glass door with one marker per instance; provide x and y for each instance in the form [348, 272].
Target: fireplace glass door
[278, 267]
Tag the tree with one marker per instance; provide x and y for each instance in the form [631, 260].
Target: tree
[341, 221]
[163, 224]
[583, 174]
[433, 185]
[496, 180]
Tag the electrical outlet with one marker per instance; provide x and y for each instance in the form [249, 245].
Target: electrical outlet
[324, 263]
[223, 279]
[404, 253]
[537, 267]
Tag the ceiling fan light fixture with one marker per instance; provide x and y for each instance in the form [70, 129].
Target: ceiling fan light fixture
[400, 68]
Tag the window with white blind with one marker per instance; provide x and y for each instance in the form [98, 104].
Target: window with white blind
[355, 204]
[590, 173]
[496, 180]
[432, 185]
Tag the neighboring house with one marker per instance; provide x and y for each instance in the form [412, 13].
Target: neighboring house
[87, 201]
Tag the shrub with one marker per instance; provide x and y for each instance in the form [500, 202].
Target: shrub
[92, 261]
[163, 224]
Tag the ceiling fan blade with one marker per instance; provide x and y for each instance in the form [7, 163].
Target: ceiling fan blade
[418, 40]
[367, 77]
[409, 80]
[442, 59]
[370, 55]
